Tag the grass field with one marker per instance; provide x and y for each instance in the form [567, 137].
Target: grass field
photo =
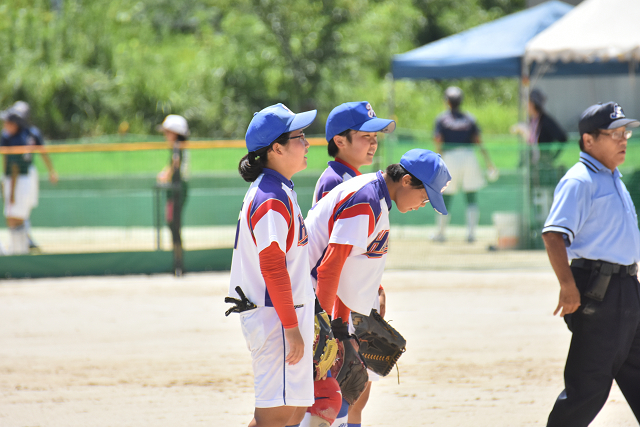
[503, 149]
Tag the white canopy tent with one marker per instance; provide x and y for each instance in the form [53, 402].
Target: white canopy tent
[597, 45]
[596, 37]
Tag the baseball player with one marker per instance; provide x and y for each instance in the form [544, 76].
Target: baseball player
[17, 186]
[351, 132]
[349, 229]
[176, 131]
[455, 134]
[24, 110]
[270, 279]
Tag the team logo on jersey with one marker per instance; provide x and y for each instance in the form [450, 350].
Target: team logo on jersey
[617, 112]
[379, 246]
[370, 111]
[303, 236]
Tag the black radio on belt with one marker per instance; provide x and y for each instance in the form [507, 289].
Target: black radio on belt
[601, 272]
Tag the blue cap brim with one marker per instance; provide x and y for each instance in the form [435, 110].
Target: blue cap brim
[376, 125]
[302, 120]
[436, 200]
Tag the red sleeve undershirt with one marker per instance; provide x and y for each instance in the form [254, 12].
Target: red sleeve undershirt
[329, 274]
[274, 270]
[342, 311]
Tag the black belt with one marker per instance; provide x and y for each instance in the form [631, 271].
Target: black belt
[589, 264]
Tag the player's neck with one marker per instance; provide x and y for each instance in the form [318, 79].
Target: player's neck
[391, 185]
[347, 163]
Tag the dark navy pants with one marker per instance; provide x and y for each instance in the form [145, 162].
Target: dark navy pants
[605, 346]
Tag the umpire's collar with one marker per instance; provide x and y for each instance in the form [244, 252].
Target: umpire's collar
[595, 166]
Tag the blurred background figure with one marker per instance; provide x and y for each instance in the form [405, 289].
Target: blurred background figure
[456, 133]
[17, 189]
[539, 133]
[541, 129]
[174, 177]
[35, 138]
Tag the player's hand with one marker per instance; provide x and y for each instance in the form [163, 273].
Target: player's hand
[296, 345]
[382, 297]
[569, 300]
[53, 177]
[164, 176]
[492, 174]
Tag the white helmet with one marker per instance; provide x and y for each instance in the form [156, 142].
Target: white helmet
[176, 124]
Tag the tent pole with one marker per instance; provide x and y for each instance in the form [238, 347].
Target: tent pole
[392, 106]
[525, 226]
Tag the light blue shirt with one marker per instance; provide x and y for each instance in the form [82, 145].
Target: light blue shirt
[593, 209]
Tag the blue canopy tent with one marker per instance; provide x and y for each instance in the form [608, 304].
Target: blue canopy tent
[494, 49]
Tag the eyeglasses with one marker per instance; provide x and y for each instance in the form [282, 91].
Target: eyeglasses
[621, 134]
[302, 136]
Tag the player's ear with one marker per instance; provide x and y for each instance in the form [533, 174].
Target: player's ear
[406, 180]
[276, 148]
[340, 141]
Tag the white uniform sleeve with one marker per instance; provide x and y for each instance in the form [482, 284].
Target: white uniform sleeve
[351, 231]
[271, 227]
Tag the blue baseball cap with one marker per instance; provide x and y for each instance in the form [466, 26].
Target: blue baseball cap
[429, 168]
[268, 124]
[356, 116]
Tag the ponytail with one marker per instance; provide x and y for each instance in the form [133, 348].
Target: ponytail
[251, 165]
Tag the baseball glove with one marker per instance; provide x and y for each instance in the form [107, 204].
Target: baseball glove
[380, 345]
[325, 346]
[349, 369]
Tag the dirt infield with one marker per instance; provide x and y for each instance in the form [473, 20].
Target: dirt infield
[483, 350]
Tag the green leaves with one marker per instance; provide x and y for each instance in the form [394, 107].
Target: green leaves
[90, 66]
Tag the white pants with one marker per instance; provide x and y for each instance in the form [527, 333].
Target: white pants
[276, 383]
[466, 174]
[35, 186]
[21, 206]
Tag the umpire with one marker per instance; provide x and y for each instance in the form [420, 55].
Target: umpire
[594, 224]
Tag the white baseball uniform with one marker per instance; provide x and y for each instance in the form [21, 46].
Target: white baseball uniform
[270, 213]
[335, 174]
[355, 213]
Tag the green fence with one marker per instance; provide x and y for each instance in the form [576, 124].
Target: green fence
[107, 201]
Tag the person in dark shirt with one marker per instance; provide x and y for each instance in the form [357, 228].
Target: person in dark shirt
[36, 138]
[456, 134]
[17, 190]
[176, 131]
[543, 129]
[539, 133]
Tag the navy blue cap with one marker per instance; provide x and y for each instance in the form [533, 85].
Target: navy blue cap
[429, 168]
[268, 124]
[604, 116]
[356, 116]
